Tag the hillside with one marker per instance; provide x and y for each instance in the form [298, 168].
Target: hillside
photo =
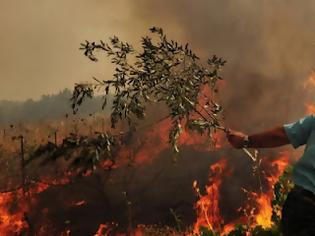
[48, 107]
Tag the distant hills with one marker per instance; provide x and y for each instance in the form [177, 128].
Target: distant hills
[48, 107]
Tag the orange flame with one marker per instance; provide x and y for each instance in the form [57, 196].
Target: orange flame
[310, 81]
[310, 109]
[263, 217]
[103, 230]
[207, 207]
[11, 223]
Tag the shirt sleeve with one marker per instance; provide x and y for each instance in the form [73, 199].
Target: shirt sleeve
[299, 132]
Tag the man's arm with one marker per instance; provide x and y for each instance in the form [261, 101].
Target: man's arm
[273, 138]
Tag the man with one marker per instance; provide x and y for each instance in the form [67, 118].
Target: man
[298, 213]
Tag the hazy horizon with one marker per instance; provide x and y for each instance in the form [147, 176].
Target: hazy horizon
[41, 39]
[269, 46]
[36, 99]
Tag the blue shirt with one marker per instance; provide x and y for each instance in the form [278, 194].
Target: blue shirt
[300, 133]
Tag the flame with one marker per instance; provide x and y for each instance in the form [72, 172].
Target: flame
[139, 230]
[107, 230]
[310, 84]
[310, 81]
[263, 217]
[103, 230]
[156, 140]
[14, 208]
[207, 207]
[11, 223]
[265, 211]
[143, 151]
[310, 109]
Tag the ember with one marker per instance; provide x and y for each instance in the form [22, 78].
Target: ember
[12, 221]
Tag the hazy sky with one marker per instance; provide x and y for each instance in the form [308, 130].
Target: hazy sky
[40, 41]
[40, 38]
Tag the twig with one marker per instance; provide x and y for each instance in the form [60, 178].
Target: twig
[254, 158]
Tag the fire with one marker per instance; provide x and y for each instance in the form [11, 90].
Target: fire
[139, 231]
[207, 207]
[310, 84]
[310, 81]
[155, 141]
[11, 222]
[108, 230]
[14, 209]
[202, 143]
[143, 150]
[310, 109]
[263, 218]
[260, 209]
[265, 211]
[103, 230]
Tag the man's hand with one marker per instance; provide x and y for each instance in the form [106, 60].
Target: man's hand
[275, 137]
[236, 138]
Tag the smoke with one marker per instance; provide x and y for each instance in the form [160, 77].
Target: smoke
[269, 47]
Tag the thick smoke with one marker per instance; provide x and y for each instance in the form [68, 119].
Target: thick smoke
[269, 47]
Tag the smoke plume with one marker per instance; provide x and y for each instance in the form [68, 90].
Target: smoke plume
[269, 47]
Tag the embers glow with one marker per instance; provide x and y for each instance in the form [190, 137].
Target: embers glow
[109, 229]
[12, 218]
[103, 230]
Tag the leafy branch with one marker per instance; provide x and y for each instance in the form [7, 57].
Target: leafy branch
[164, 72]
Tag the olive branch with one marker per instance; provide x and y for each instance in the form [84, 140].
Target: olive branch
[163, 72]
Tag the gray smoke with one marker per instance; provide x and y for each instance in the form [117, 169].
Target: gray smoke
[269, 47]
